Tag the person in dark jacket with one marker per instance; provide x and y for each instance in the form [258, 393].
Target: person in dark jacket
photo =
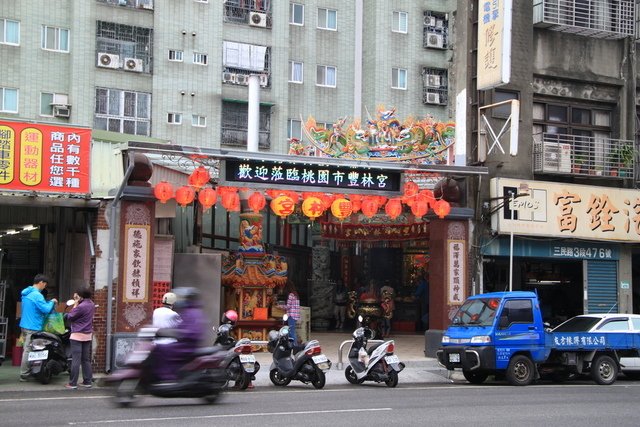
[81, 320]
[34, 312]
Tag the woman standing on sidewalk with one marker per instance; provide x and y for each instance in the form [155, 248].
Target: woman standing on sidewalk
[81, 319]
[293, 309]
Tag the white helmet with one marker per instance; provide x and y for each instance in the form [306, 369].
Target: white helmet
[169, 298]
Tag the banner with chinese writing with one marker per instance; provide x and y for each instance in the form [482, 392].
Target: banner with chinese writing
[494, 43]
[44, 158]
[136, 263]
[554, 209]
[456, 270]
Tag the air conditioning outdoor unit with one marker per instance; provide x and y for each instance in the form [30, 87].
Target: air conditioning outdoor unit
[439, 23]
[242, 79]
[62, 110]
[430, 21]
[257, 19]
[434, 80]
[145, 4]
[133, 64]
[433, 98]
[435, 40]
[228, 77]
[264, 80]
[108, 60]
[557, 157]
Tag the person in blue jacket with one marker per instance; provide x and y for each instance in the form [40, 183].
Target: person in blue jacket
[34, 312]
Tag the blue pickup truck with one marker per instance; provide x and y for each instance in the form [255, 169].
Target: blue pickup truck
[503, 334]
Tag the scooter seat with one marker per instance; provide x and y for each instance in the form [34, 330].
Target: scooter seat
[203, 351]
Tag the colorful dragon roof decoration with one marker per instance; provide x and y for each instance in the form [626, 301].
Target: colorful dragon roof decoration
[384, 138]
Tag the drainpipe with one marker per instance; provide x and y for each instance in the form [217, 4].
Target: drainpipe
[253, 116]
[112, 250]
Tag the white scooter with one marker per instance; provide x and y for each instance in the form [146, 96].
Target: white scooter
[377, 363]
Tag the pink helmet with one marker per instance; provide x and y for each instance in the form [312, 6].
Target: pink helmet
[230, 316]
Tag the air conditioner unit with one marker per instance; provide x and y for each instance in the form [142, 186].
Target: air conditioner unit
[108, 60]
[435, 40]
[434, 80]
[145, 4]
[433, 98]
[439, 23]
[557, 157]
[242, 79]
[228, 77]
[264, 80]
[133, 64]
[257, 19]
[60, 99]
[430, 21]
[62, 110]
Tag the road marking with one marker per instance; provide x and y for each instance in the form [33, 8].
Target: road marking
[332, 411]
[54, 398]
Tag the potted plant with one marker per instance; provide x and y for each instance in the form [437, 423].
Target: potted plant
[578, 162]
[621, 160]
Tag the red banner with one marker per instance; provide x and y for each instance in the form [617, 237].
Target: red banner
[47, 158]
[332, 230]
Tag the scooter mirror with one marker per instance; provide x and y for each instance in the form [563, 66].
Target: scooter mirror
[70, 302]
[360, 319]
[285, 317]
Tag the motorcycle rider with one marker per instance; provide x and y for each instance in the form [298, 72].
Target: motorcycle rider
[188, 334]
[165, 317]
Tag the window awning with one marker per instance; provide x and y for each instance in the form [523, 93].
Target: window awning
[244, 101]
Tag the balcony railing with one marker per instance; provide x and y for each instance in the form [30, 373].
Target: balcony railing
[256, 13]
[578, 155]
[605, 19]
[136, 4]
[238, 138]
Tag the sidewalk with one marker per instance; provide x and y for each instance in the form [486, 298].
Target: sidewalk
[409, 348]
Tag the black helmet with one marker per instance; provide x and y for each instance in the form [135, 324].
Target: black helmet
[187, 296]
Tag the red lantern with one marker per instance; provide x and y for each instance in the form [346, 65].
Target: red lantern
[393, 208]
[257, 201]
[231, 201]
[207, 198]
[185, 195]
[327, 200]
[410, 188]
[341, 208]
[356, 202]
[420, 207]
[370, 206]
[199, 177]
[163, 191]
[283, 206]
[428, 195]
[442, 208]
[312, 207]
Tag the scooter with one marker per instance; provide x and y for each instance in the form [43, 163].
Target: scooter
[376, 363]
[239, 361]
[307, 365]
[202, 377]
[50, 353]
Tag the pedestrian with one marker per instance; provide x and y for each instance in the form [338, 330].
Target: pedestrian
[422, 294]
[340, 304]
[34, 313]
[292, 308]
[81, 320]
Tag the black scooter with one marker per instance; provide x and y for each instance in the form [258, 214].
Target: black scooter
[307, 365]
[202, 377]
[239, 361]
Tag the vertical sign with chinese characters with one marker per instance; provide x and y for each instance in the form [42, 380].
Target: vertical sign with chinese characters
[456, 265]
[494, 43]
[136, 263]
[47, 158]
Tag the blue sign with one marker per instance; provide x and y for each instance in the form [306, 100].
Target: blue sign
[564, 249]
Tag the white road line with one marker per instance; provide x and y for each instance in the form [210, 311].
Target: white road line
[331, 411]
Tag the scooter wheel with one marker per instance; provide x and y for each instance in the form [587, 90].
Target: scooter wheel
[212, 398]
[277, 379]
[350, 375]
[392, 380]
[319, 380]
[45, 374]
[243, 382]
[125, 393]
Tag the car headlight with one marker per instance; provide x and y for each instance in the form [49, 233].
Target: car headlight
[446, 339]
[481, 339]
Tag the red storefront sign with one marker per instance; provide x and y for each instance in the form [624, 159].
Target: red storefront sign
[47, 158]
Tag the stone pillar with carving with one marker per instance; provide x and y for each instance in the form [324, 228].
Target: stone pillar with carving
[321, 295]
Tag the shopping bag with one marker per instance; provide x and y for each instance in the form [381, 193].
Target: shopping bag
[54, 323]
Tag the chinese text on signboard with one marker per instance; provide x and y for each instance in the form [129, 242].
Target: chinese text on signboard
[136, 268]
[456, 264]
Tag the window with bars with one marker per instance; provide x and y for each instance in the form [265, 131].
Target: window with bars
[242, 59]
[435, 30]
[129, 42]
[235, 121]
[123, 111]
[435, 86]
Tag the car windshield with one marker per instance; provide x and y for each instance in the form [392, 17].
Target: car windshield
[477, 312]
[578, 324]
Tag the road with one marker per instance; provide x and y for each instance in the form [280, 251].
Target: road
[570, 404]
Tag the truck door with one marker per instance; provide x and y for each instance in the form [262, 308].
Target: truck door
[518, 329]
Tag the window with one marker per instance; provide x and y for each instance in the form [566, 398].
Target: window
[503, 111]
[327, 19]
[296, 72]
[126, 41]
[175, 55]
[614, 325]
[296, 14]
[398, 78]
[326, 76]
[198, 121]
[234, 125]
[400, 22]
[174, 118]
[54, 38]
[517, 311]
[49, 99]
[9, 31]
[200, 58]
[123, 111]
[9, 101]
[294, 129]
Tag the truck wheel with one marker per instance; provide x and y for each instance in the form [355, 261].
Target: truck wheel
[475, 377]
[520, 371]
[604, 370]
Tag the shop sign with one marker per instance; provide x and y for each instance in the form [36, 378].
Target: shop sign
[565, 210]
[44, 158]
[546, 249]
[330, 177]
[136, 263]
[456, 271]
[494, 43]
